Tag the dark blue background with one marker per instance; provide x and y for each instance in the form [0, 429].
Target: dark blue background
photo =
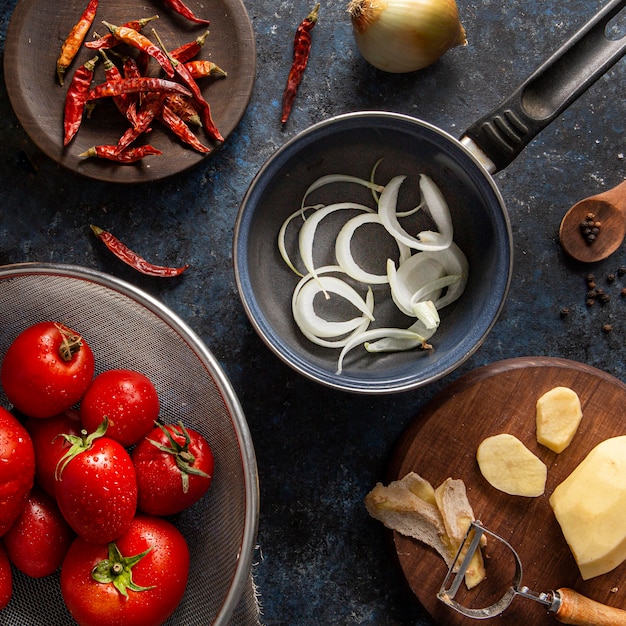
[321, 559]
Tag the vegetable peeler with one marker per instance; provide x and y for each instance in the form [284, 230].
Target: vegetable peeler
[567, 605]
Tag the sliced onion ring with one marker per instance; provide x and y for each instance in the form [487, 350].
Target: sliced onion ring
[387, 209]
[378, 333]
[399, 344]
[340, 178]
[343, 251]
[419, 270]
[314, 327]
[307, 232]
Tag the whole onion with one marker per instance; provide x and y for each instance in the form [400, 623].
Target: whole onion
[405, 35]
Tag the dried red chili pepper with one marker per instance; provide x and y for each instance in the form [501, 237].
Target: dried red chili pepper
[74, 40]
[151, 104]
[122, 252]
[130, 155]
[182, 9]
[139, 41]
[301, 50]
[112, 73]
[205, 107]
[136, 85]
[76, 99]
[110, 41]
[176, 124]
[202, 69]
[184, 108]
[188, 51]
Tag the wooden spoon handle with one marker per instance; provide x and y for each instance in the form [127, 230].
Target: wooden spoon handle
[616, 196]
[581, 611]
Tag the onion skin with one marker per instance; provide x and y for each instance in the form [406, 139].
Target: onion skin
[400, 36]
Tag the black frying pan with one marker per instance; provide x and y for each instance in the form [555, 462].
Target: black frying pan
[351, 144]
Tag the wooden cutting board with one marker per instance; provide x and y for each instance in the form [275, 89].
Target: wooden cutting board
[441, 442]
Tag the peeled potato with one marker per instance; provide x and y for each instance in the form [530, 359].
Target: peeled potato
[508, 465]
[558, 416]
[590, 505]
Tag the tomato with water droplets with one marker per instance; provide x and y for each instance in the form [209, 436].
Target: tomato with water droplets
[96, 486]
[46, 369]
[17, 468]
[174, 468]
[6, 578]
[39, 539]
[138, 580]
[50, 445]
[128, 400]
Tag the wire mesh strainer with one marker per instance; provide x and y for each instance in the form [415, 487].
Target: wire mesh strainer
[127, 328]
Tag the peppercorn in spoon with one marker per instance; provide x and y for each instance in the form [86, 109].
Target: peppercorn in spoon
[595, 227]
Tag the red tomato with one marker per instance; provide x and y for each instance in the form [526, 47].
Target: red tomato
[127, 399]
[40, 537]
[96, 487]
[17, 468]
[50, 446]
[6, 578]
[161, 575]
[46, 369]
[174, 468]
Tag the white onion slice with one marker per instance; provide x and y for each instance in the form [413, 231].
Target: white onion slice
[343, 251]
[387, 209]
[305, 321]
[426, 312]
[398, 344]
[378, 333]
[410, 277]
[340, 178]
[307, 231]
[417, 271]
[282, 248]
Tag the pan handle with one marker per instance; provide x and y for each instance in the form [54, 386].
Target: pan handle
[502, 134]
[581, 611]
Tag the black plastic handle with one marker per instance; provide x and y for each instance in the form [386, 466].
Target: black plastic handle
[504, 132]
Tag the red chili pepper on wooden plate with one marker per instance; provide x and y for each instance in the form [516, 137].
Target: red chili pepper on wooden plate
[74, 40]
[124, 253]
[76, 99]
[177, 125]
[301, 51]
[136, 85]
[110, 40]
[189, 50]
[203, 69]
[129, 155]
[139, 41]
[182, 9]
[184, 108]
[205, 108]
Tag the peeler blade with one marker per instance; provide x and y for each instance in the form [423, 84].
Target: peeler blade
[454, 579]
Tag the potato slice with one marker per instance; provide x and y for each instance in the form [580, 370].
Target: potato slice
[558, 416]
[508, 465]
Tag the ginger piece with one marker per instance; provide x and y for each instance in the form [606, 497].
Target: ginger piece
[437, 517]
[457, 514]
[399, 509]
[558, 415]
[508, 465]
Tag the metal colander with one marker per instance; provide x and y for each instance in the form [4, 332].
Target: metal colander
[127, 328]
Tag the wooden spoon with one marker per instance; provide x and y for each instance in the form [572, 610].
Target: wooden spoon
[608, 208]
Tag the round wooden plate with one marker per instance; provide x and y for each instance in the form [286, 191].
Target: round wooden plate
[34, 38]
[442, 442]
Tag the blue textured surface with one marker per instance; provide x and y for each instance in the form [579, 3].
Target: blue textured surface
[321, 560]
